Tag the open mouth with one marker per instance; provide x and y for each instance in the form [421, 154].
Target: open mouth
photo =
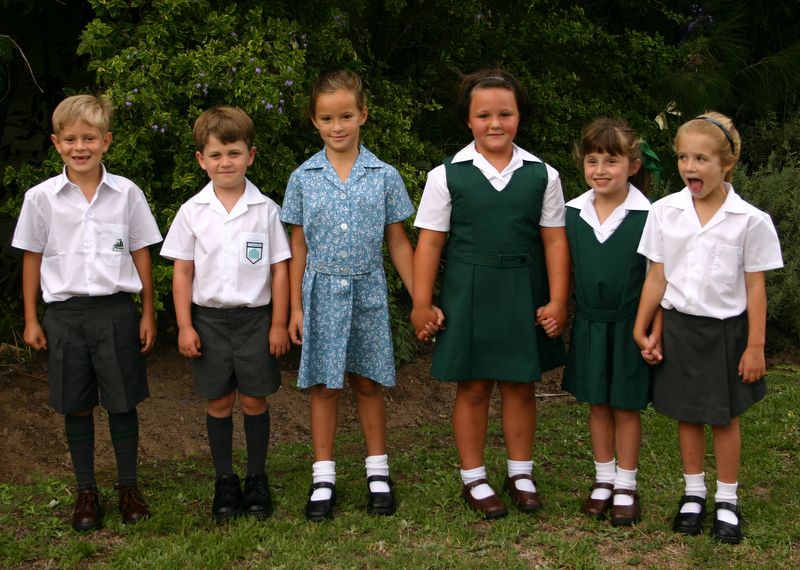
[694, 184]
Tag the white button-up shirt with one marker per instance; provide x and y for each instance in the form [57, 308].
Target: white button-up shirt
[635, 200]
[705, 265]
[435, 205]
[232, 251]
[86, 246]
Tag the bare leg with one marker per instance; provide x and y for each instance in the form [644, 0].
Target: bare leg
[470, 420]
[691, 438]
[519, 419]
[371, 412]
[601, 428]
[727, 451]
[628, 435]
[324, 413]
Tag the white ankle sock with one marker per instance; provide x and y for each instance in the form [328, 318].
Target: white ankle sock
[377, 465]
[625, 479]
[470, 475]
[604, 473]
[726, 493]
[521, 468]
[323, 471]
[695, 486]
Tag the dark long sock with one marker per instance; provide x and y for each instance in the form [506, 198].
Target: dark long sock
[80, 440]
[220, 439]
[256, 434]
[125, 439]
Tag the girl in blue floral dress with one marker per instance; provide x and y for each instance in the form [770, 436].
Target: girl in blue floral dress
[342, 203]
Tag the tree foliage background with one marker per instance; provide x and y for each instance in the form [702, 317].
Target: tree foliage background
[161, 62]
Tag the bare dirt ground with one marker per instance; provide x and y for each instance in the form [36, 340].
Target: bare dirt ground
[172, 420]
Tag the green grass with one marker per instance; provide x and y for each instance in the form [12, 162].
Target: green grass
[432, 528]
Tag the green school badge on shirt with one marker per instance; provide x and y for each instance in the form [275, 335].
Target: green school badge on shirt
[253, 251]
[118, 246]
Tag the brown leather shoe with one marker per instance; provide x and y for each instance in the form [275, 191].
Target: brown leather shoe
[89, 510]
[132, 505]
[490, 507]
[597, 508]
[625, 515]
[525, 501]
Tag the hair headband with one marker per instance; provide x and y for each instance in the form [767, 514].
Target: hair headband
[723, 129]
[495, 78]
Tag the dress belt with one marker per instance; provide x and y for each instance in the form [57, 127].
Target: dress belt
[607, 315]
[336, 269]
[491, 259]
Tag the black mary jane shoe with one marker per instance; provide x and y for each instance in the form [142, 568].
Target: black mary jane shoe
[690, 523]
[725, 531]
[318, 511]
[381, 503]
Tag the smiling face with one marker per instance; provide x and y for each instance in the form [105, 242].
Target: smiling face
[700, 165]
[226, 163]
[494, 120]
[608, 174]
[82, 147]
[339, 120]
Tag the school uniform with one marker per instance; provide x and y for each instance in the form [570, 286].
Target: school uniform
[495, 276]
[231, 289]
[705, 303]
[346, 324]
[604, 365]
[87, 278]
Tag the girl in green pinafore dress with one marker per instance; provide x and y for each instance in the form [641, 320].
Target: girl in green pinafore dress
[495, 214]
[605, 367]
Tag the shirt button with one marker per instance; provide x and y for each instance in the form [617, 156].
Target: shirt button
[343, 226]
[343, 282]
[343, 196]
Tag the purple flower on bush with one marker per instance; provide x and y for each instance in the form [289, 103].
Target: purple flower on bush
[135, 89]
[258, 71]
[154, 126]
[268, 106]
[197, 86]
[233, 69]
[129, 103]
[288, 83]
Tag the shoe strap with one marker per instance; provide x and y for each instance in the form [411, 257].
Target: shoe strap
[728, 507]
[382, 478]
[692, 499]
[473, 484]
[527, 476]
[631, 492]
[602, 485]
[322, 485]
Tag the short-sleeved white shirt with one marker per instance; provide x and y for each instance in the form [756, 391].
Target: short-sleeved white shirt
[232, 252]
[635, 200]
[705, 265]
[435, 205]
[86, 246]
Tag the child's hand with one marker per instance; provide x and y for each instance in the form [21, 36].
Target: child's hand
[189, 342]
[147, 333]
[552, 318]
[296, 326]
[427, 321]
[34, 336]
[752, 365]
[651, 349]
[279, 343]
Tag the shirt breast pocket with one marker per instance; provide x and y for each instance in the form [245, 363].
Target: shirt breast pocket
[253, 250]
[112, 243]
[726, 265]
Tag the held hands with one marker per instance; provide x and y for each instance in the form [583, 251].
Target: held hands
[752, 365]
[147, 333]
[651, 349]
[189, 342]
[552, 318]
[34, 336]
[427, 321]
[279, 343]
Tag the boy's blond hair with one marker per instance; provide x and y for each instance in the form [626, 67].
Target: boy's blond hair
[228, 124]
[95, 111]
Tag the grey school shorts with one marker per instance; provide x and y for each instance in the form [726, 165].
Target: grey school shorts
[235, 352]
[93, 354]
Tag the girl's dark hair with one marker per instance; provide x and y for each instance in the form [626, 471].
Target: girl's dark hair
[614, 137]
[333, 81]
[486, 79]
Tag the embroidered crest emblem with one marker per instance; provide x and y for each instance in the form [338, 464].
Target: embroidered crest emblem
[118, 246]
[253, 251]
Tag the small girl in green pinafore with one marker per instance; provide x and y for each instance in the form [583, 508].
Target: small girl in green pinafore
[604, 365]
[495, 212]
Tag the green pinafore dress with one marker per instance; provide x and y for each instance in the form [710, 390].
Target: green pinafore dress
[604, 365]
[494, 280]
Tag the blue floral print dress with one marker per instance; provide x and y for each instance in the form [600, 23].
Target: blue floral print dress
[345, 308]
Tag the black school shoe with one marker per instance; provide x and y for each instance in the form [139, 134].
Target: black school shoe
[318, 511]
[382, 503]
[724, 531]
[257, 498]
[690, 523]
[89, 510]
[228, 498]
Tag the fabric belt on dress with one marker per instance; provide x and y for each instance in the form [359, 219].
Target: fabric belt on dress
[607, 315]
[491, 259]
[337, 269]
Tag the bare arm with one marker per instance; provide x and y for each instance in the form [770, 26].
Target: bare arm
[648, 316]
[188, 339]
[297, 266]
[752, 365]
[426, 268]
[553, 316]
[401, 253]
[147, 323]
[33, 335]
[279, 343]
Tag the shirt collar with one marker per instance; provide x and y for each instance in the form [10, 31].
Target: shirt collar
[62, 180]
[470, 153]
[635, 200]
[365, 159]
[733, 202]
[252, 195]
